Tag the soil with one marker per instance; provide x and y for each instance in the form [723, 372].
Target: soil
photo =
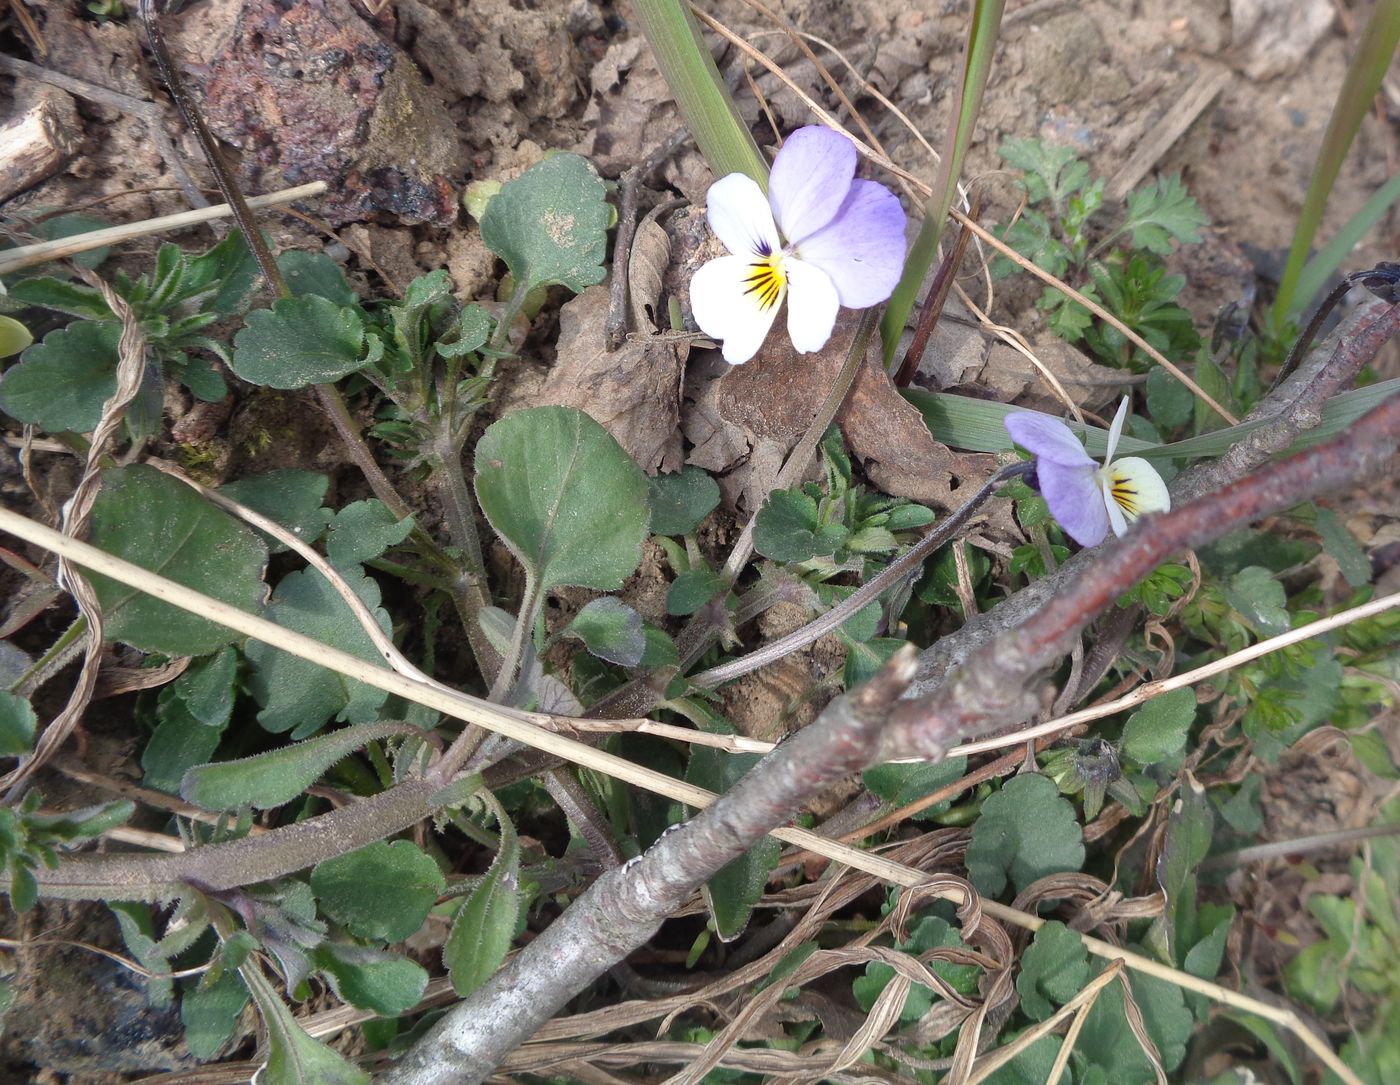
[400, 110]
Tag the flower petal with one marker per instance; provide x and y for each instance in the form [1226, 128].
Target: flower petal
[1115, 431]
[810, 179]
[727, 308]
[1048, 438]
[1074, 499]
[1116, 519]
[1135, 487]
[862, 248]
[739, 215]
[812, 305]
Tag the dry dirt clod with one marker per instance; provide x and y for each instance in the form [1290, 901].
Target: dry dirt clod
[312, 92]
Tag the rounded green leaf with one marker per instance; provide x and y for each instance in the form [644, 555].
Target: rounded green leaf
[151, 520]
[611, 630]
[564, 496]
[382, 891]
[550, 225]
[484, 926]
[680, 501]
[296, 694]
[61, 383]
[1026, 830]
[14, 336]
[370, 979]
[300, 341]
[17, 723]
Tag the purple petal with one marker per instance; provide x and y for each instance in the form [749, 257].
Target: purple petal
[810, 179]
[862, 248]
[1048, 438]
[1075, 500]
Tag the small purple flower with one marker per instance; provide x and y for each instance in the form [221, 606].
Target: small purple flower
[1085, 498]
[821, 238]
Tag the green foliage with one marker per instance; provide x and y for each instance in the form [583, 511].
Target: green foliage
[1025, 832]
[151, 520]
[730, 894]
[789, 528]
[900, 785]
[302, 341]
[293, 1057]
[611, 630]
[1057, 232]
[371, 979]
[14, 336]
[928, 934]
[61, 384]
[692, 589]
[485, 925]
[29, 839]
[210, 1011]
[17, 724]
[300, 696]
[680, 501]
[1054, 968]
[550, 225]
[288, 497]
[563, 496]
[278, 776]
[1158, 729]
[362, 531]
[382, 891]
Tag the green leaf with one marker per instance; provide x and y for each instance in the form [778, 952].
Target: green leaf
[1158, 729]
[226, 271]
[270, 779]
[468, 334]
[787, 528]
[134, 921]
[1162, 212]
[900, 785]
[1343, 548]
[484, 926]
[17, 725]
[210, 1011]
[563, 495]
[1054, 967]
[364, 530]
[290, 497]
[370, 979]
[1187, 844]
[1170, 403]
[178, 742]
[208, 688]
[72, 225]
[1109, 1042]
[1051, 170]
[151, 520]
[314, 274]
[297, 695]
[680, 501]
[14, 336]
[300, 342]
[63, 296]
[692, 590]
[550, 225]
[61, 383]
[611, 630]
[1026, 830]
[1260, 599]
[383, 891]
[733, 891]
[293, 1057]
[930, 932]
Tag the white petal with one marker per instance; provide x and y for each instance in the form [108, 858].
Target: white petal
[1116, 519]
[812, 305]
[1136, 488]
[1115, 431]
[728, 309]
[739, 214]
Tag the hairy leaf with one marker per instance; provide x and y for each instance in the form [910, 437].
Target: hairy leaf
[302, 341]
[484, 926]
[550, 224]
[382, 891]
[1026, 830]
[611, 630]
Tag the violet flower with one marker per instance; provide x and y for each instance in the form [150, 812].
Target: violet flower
[836, 241]
[1085, 498]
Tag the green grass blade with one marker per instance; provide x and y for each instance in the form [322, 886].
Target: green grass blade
[975, 425]
[977, 63]
[1329, 258]
[1363, 79]
[705, 103]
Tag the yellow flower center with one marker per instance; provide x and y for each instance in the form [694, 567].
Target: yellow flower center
[1124, 491]
[766, 280]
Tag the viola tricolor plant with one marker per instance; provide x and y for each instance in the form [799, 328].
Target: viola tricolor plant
[821, 238]
[1085, 498]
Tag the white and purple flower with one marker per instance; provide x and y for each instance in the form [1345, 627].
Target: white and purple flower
[1085, 498]
[821, 238]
